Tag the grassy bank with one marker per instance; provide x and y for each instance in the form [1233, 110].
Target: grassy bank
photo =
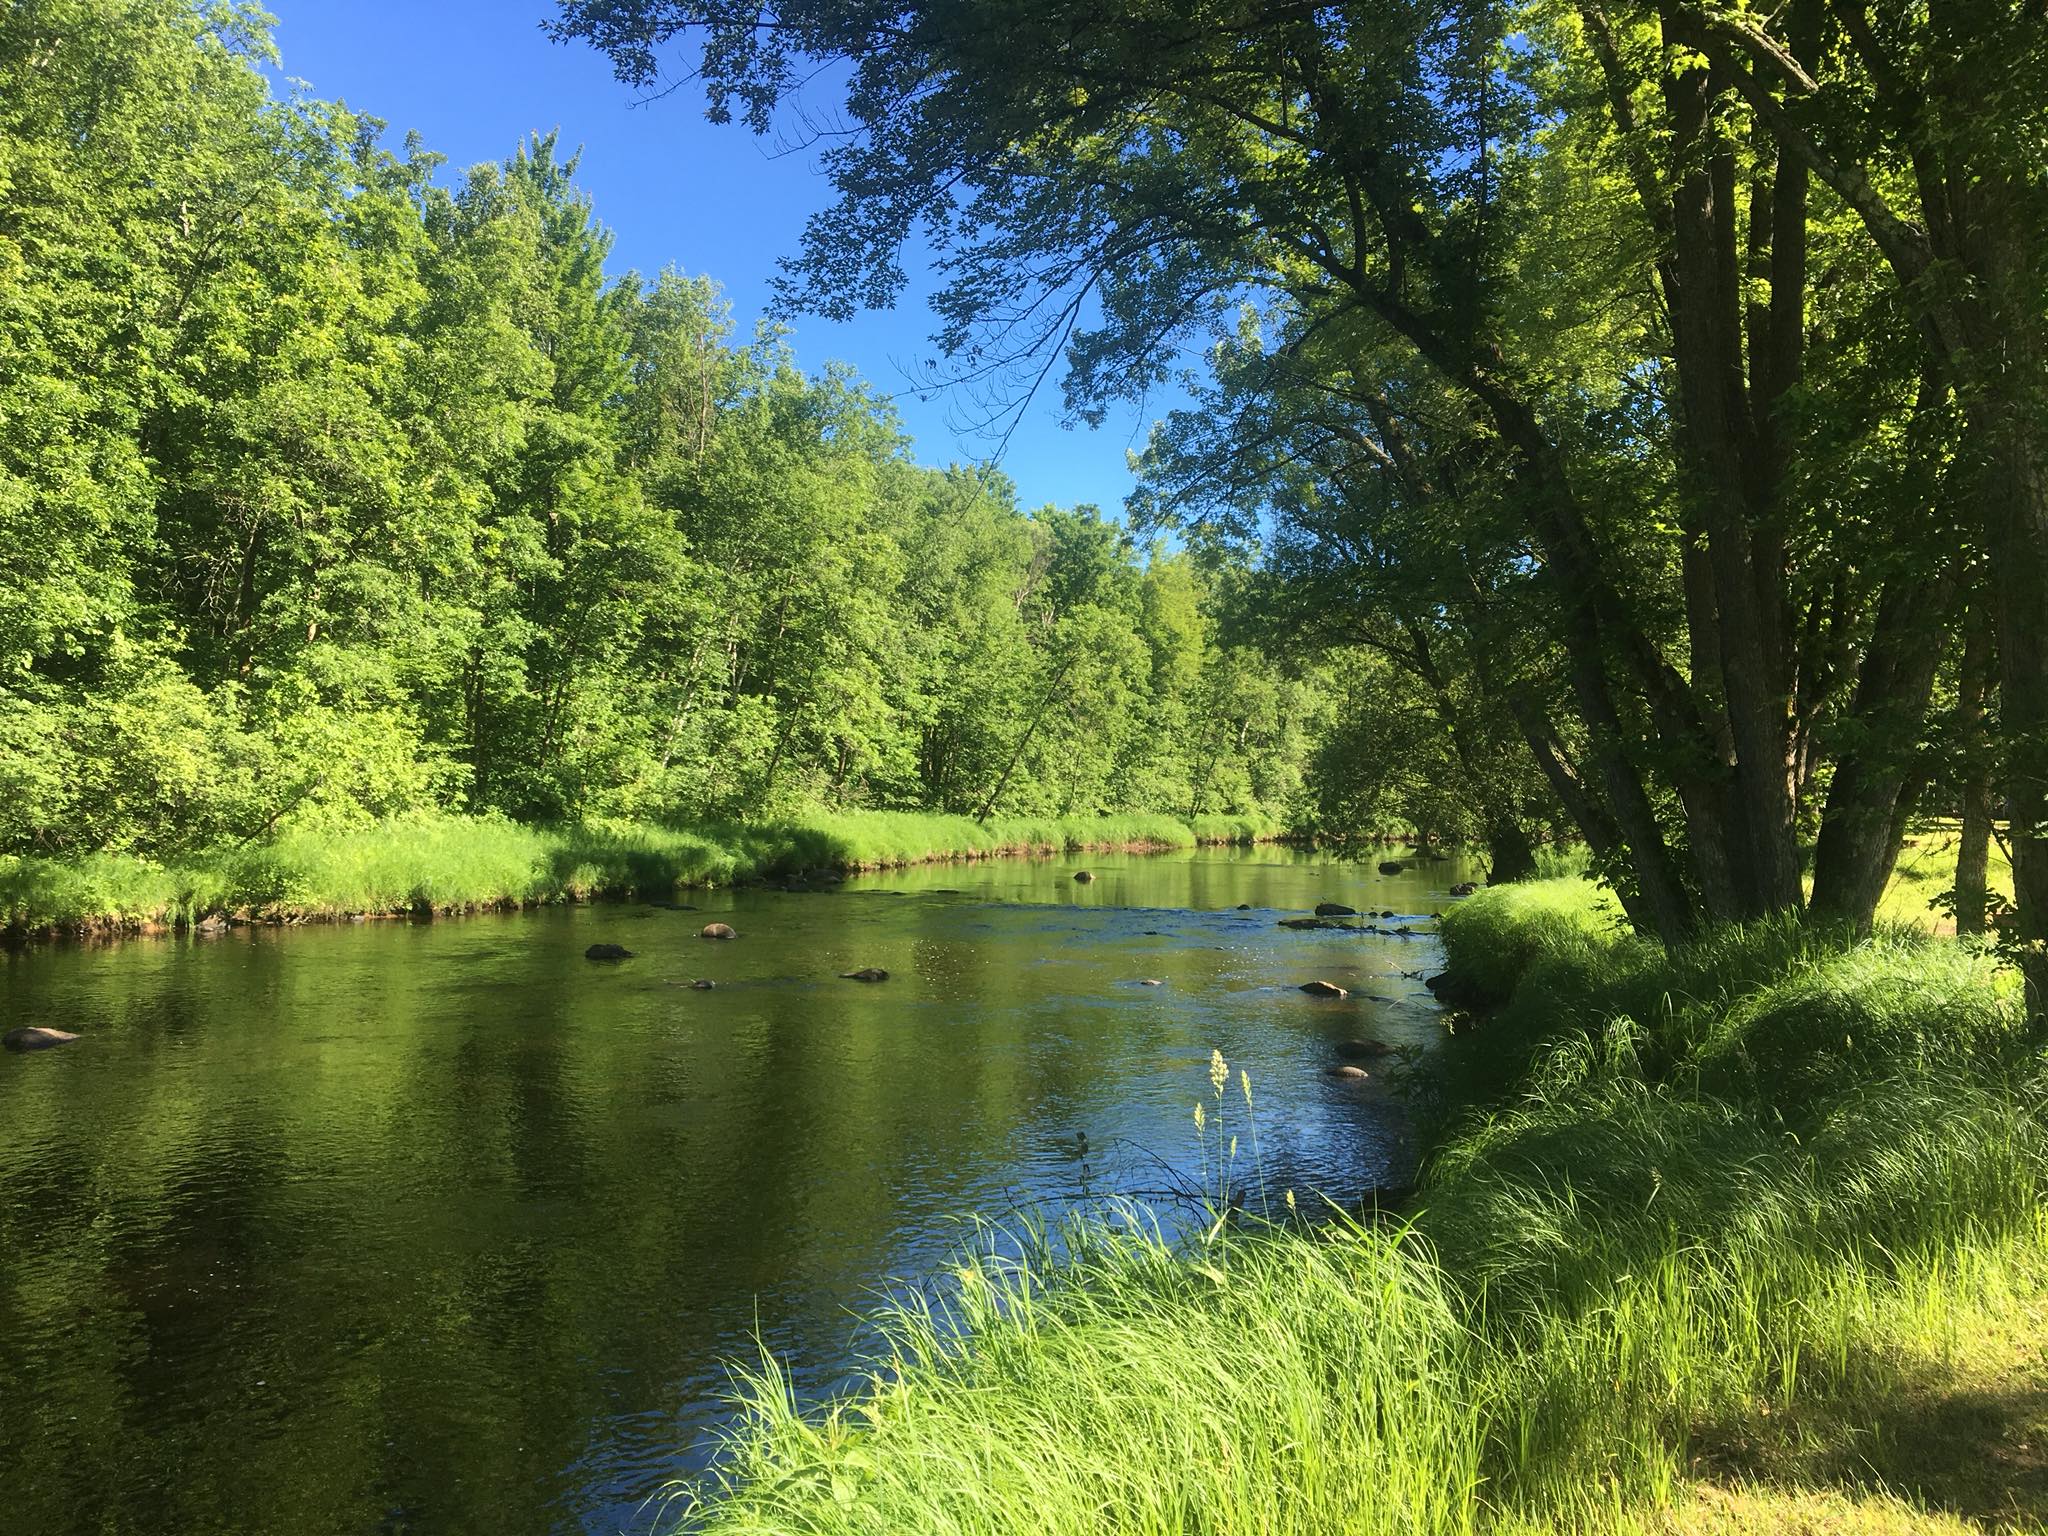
[1702, 1257]
[455, 864]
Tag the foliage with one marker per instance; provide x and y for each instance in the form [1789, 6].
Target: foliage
[334, 490]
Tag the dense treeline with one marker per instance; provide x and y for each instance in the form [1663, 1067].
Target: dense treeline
[333, 488]
[1666, 383]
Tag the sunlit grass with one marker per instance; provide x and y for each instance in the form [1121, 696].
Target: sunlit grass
[1722, 1214]
[457, 863]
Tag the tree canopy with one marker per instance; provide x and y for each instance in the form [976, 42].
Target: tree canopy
[1676, 369]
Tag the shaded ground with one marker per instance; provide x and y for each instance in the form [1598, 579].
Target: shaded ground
[1948, 1442]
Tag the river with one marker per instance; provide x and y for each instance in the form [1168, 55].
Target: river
[401, 1227]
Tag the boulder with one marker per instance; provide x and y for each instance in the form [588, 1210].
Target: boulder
[865, 973]
[1391, 866]
[35, 1037]
[1083, 876]
[716, 931]
[607, 952]
[1334, 909]
[1387, 914]
[1323, 989]
[1364, 1050]
[1464, 888]
[1348, 1074]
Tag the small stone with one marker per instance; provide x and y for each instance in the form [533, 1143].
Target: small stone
[607, 952]
[716, 931]
[702, 985]
[1323, 989]
[35, 1037]
[865, 973]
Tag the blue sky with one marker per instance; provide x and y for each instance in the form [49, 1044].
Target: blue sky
[475, 76]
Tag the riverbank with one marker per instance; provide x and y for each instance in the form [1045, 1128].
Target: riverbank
[453, 864]
[1736, 1239]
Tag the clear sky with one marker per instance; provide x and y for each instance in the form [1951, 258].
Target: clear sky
[475, 76]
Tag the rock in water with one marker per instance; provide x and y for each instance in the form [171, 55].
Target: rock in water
[1464, 888]
[1083, 876]
[1391, 866]
[1323, 989]
[865, 973]
[607, 952]
[716, 931]
[1151, 981]
[35, 1038]
[1310, 922]
[701, 985]
[1349, 1074]
[1334, 909]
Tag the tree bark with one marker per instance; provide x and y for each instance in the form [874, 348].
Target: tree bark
[1973, 846]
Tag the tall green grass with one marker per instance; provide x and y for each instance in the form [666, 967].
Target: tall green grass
[456, 863]
[1712, 1190]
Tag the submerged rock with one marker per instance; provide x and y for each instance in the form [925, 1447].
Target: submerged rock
[607, 952]
[865, 973]
[1310, 922]
[1364, 1050]
[35, 1037]
[1323, 989]
[716, 931]
[1348, 1074]
[1334, 909]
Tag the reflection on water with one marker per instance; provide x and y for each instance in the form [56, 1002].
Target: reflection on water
[441, 1227]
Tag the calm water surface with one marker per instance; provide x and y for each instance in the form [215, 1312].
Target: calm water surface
[398, 1227]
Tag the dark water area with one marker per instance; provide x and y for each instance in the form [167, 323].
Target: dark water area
[440, 1227]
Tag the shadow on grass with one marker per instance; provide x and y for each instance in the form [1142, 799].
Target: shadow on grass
[1968, 1440]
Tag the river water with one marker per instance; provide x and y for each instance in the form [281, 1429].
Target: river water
[440, 1227]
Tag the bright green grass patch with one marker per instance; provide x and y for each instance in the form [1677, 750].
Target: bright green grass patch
[1926, 869]
[456, 863]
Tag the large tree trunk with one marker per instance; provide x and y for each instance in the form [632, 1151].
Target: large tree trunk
[1973, 846]
[1875, 783]
[1725, 431]
[2005, 363]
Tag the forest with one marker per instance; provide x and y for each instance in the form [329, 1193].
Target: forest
[337, 486]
